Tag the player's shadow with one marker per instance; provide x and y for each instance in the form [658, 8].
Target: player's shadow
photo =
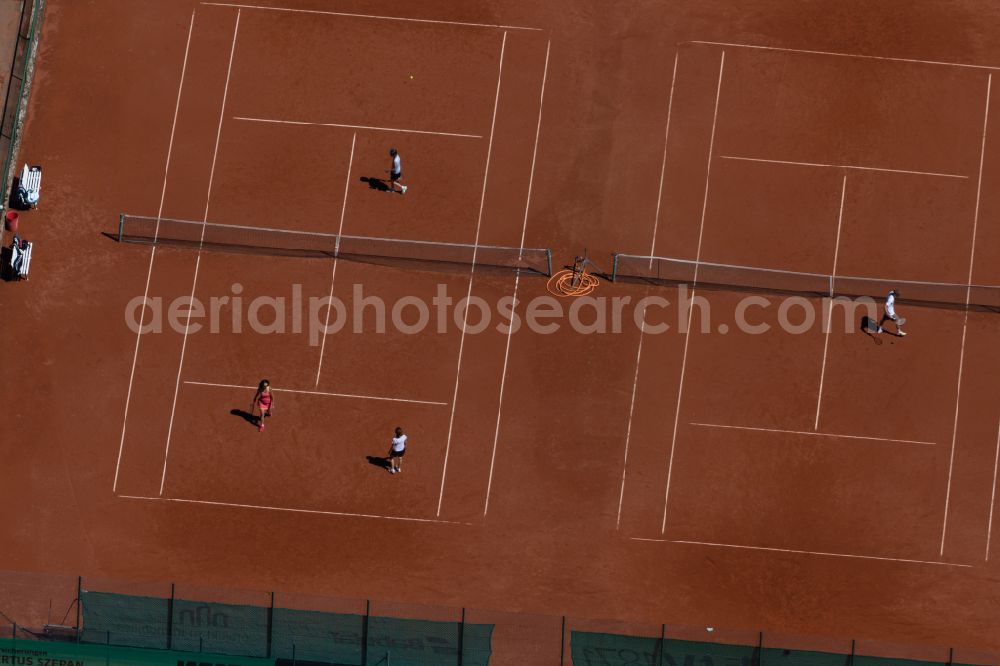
[870, 328]
[375, 183]
[246, 416]
[7, 273]
[379, 461]
[14, 200]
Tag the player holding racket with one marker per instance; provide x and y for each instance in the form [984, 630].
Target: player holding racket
[890, 314]
[264, 401]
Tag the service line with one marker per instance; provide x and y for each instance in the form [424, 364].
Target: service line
[810, 433]
[993, 496]
[472, 275]
[152, 254]
[357, 127]
[197, 265]
[374, 16]
[829, 311]
[841, 166]
[291, 510]
[804, 552]
[965, 320]
[323, 393]
[687, 332]
[333, 271]
[517, 279]
[841, 55]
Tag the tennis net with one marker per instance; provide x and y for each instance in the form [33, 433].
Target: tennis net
[262, 240]
[668, 271]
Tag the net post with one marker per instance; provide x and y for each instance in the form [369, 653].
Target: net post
[548, 257]
[79, 596]
[170, 617]
[614, 267]
[270, 618]
[364, 632]
[121, 226]
[461, 637]
[562, 643]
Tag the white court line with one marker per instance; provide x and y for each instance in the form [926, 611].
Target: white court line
[472, 274]
[517, 280]
[372, 16]
[631, 409]
[843, 55]
[152, 254]
[993, 496]
[642, 329]
[829, 311]
[965, 320]
[841, 166]
[663, 166]
[197, 264]
[324, 393]
[333, 273]
[811, 433]
[805, 552]
[289, 510]
[687, 332]
[364, 127]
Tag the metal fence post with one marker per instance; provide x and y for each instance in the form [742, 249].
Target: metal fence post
[850, 662]
[270, 621]
[562, 643]
[170, 616]
[461, 637]
[364, 633]
[79, 597]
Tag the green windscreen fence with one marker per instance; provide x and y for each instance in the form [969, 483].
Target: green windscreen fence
[39, 653]
[300, 635]
[600, 649]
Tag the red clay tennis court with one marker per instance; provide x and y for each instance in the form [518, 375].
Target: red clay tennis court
[803, 481]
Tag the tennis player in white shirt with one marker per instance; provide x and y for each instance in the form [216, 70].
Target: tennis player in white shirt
[397, 451]
[890, 314]
[395, 172]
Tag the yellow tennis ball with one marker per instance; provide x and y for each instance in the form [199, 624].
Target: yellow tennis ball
[411, 76]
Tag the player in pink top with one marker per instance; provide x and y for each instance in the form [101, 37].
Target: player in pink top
[264, 401]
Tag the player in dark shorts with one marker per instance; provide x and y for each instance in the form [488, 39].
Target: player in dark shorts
[397, 451]
[395, 172]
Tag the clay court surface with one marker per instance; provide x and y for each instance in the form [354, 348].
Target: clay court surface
[810, 484]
